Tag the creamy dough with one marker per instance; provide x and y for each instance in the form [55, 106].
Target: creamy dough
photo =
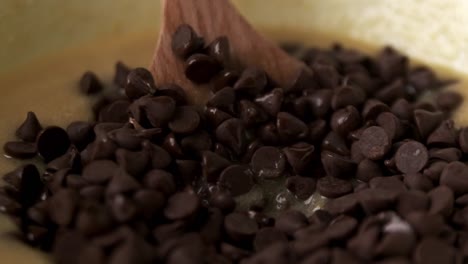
[48, 86]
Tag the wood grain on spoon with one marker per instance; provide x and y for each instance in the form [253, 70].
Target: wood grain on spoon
[212, 19]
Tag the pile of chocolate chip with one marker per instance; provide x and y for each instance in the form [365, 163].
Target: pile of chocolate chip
[155, 180]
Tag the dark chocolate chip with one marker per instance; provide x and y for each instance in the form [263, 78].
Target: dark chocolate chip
[463, 140]
[390, 64]
[52, 143]
[220, 50]
[186, 120]
[20, 149]
[391, 124]
[337, 165]
[367, 170]
[332, 187]
[317, 130]
[434, 170]
[90, 84]
[232, 134]
[341, 228]
[412, 201]
[189, 171]
[268, 134]
[411, 157]
[335, 143]
[174, 91]
[160, 158]
[236, 178]
[304, 80]
[63, 205]
[160, 180]
[449, 100]
[182, 205]
[290, 221]
[375, 200]
[373, 108]
[392, 91]
[374, 143]
[127, 138]
[417, 181]
[223, 200]
[455, 176]
[134, 162]
[320, 102]
[301, 187]
[99, 149]
[291, 128]
[223, 99]
[140, 82]
[268, 236]
[433, 250]
[200, 68]
[426, 122]
[347, 95]
[268, 162]
[185, 41]
[392, 184]
[251, 114]
[213, 164]
[215, 117]
[197, 142]
[299, 156]
[402, 108]
[272, 101]
[442, 201]
[123, 209]
[93, 218]
[29, 129]
[443, 136]
[70, 160]
[80, 133]
[240, 227]
[327, 76]
[149, 202]
[115, 112]
[252, 81]
[121, 73]
[347, 204]
[223, 79]
[159, 110]
[345, 120]
[121, 183]
[99, 171]
[446, 154]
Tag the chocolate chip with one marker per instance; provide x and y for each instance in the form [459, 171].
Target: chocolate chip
[392, 184]
[347, 95]
[373, 108]
[449, 100]
[463, 140]
[223, 79]
[123, 209]
[115, 112]
[290, 127]
[160, 180]
[93, 192]
[251, 114]
[268, 162]
[402, 108]
[213, 164]
[417, 181]
[290, 221]
[335, 143]
[271, 102]
[182, 205]
[160, 158]
[121, 72]
[189, 171]
[220, 50]
[93, 218]
[341, 228]
[374, 143]
[127, 138]
[185, 120]
[332, 187]
[455, 176]
[299, 156]
[432, 250]
[442, 199]
[317, 130]
[327, 76]
[426, 121]
[159, 110]
[304, 80]
[268, 236]
[99, 171]
[434, 170]
[232, 134]
[223, 200]
[347, 204]
[375, 200]
[391, 124]
[223, 99]
[320, 102]
[337, 165]
[52, 142]
[252, 81]
[368, 169]
[63, 206]
[197, 142]
[443, 136]
[391, 92]
[411, 157]
[185, 41]
[121, 183]
[363, 244]
[240, 227]
[268, 133]
[90, 84]
[345, 120]
[445, 154]
[200, 68]
[29, 129]
[412, 201]
[238, 179]
[20, 150]
[390, 64]
[301, 187]
[140, 82]
[134, 162]
[149, 202]
[70, 160]
[80, 133]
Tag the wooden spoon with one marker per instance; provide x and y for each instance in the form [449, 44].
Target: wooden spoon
[212, 19]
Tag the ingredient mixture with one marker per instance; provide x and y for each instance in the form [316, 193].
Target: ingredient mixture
[365, 170]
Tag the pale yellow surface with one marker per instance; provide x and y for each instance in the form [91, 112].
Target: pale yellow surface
[46, 45]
